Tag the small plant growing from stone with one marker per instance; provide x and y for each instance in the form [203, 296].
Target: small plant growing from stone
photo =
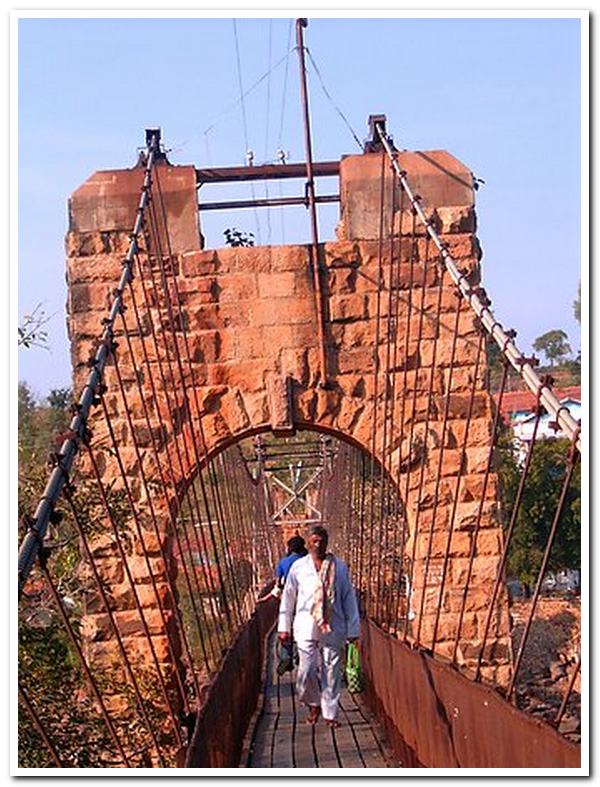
[235, 237]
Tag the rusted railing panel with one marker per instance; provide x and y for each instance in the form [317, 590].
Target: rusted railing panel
[443, 720]
[232, 697]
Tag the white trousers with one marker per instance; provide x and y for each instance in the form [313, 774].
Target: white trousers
[320, 663]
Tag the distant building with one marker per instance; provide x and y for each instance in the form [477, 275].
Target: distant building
[517, 411]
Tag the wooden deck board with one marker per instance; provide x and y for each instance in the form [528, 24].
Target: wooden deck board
[282, 739]
[346, 747]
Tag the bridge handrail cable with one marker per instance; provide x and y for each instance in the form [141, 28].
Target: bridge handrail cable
[511, 352]
[34, 539]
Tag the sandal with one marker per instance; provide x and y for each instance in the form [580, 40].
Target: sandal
[313, 714]
[333, 723]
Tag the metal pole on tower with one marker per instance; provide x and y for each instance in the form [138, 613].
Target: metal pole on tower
[310, 195]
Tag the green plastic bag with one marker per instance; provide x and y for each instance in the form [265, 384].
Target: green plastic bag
[353, 670]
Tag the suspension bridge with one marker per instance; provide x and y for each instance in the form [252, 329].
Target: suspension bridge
[228, 398]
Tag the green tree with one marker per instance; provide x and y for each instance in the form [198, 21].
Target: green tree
[59, 399]
[574, 368]
[494, 355]
[537, 509]
[554, 345]
[39, 424]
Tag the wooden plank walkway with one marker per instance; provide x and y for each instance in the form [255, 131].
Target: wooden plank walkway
[281, 739]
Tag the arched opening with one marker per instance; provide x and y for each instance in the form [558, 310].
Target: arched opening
[238, 511]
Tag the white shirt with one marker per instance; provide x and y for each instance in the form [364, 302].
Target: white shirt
[297, 602]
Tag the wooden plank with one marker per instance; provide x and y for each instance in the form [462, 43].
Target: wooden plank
[261, 756]
[345, 745]
[371, 747]
[271, 693]
[303, 742]
[349, 720]
[283, 738]
[303, 745]
[326, 756]
[261, 751]
[378, 733]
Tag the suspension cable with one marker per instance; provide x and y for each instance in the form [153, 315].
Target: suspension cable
[35, 537]
[332, 102]
[550, 402]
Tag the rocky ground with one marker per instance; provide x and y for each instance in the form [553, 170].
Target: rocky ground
[549, 660]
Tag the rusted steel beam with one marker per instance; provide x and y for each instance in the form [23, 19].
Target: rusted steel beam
[312, 521]
[321, 169]
[265, 203]
[287, 467]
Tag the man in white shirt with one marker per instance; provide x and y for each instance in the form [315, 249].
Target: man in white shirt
[319, 599]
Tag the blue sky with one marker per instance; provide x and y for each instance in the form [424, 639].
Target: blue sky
[503, 95]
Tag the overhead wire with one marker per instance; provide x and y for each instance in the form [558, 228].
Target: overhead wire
[332, 101]
[282, 116]
[244, 119]
[230, 107]
[268, 113]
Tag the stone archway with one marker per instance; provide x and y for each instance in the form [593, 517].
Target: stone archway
[249, 319]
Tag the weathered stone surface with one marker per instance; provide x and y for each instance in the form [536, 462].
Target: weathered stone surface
[280, 403]
[457, 218]
[247, 318]
[108, 201]
[360, 186]
[347, 307]
[89, 297]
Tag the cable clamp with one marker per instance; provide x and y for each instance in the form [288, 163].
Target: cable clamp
[44, 553]
[69, 489]
[110, 344]
[54, 459]
[531, 360]
[554, 425]
[482, 295]
[55, 517]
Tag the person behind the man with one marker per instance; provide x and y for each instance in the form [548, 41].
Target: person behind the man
[319, 604]
[296, 548]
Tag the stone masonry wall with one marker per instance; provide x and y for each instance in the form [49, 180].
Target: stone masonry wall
[250, 322]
